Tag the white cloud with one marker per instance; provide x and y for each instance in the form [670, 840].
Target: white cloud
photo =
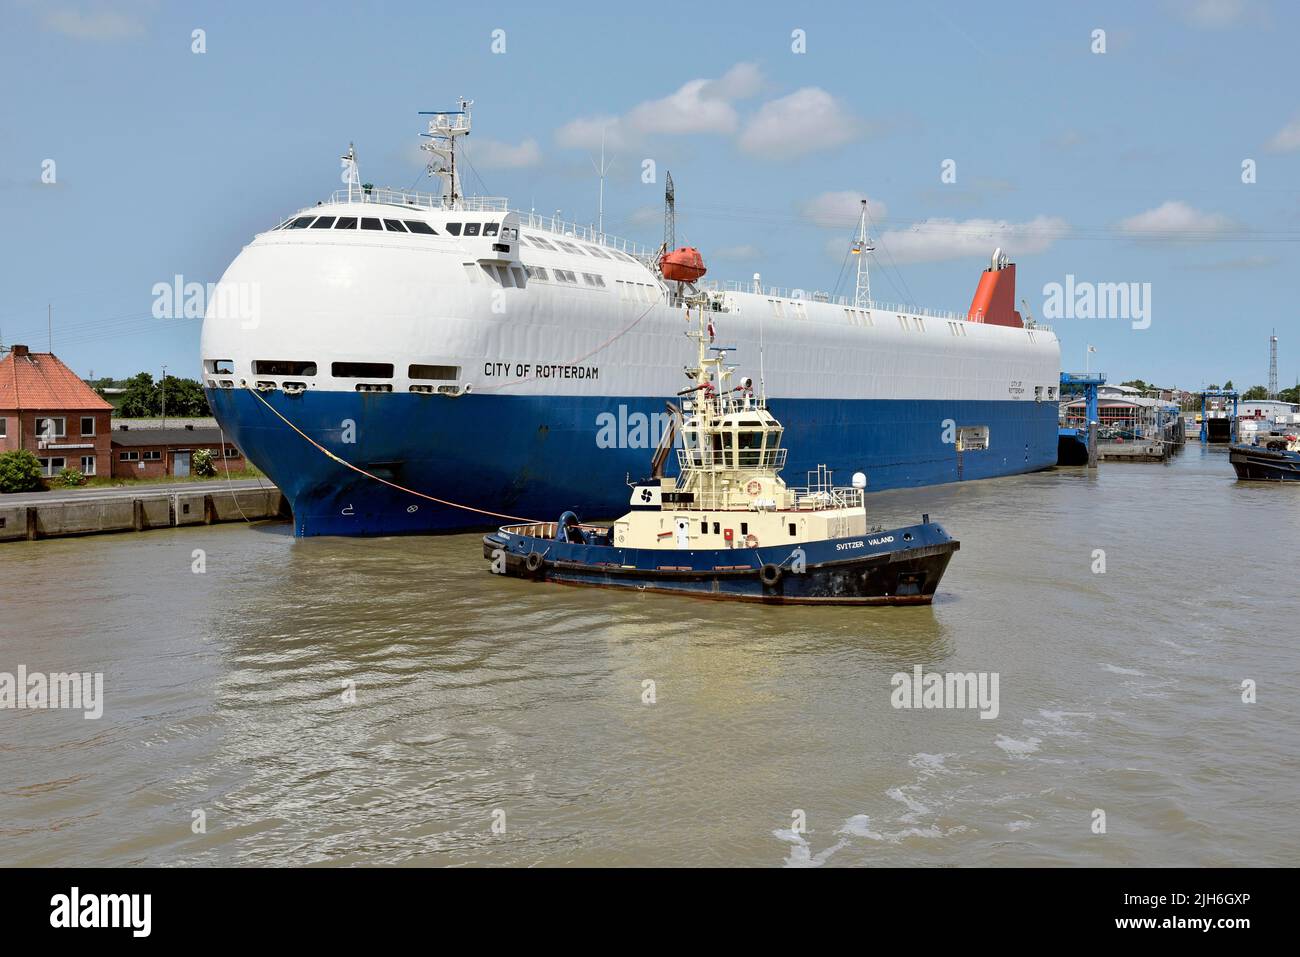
[698, 106]
[933, 240]
[737, 253]
[1287, 139]
[102, 25]
[1175, 220]
[1213, 14]
[805, 121]
[493, 154]
[837, 210]
[585, 133]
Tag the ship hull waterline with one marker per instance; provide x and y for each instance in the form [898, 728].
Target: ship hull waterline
[526, 457]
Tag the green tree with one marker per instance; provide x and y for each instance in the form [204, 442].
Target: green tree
[1228, 384]
[1256, 392]
[185, 398]
[20, 471]
[1138, 384]
[1290, 395]
[141, 398]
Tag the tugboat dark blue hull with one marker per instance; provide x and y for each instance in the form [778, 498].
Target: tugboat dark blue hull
[1255, 464]
[901, 566]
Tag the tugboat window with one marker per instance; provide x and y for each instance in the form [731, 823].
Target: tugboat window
[750, 446]
[346, 222]
[792, 532]
[471, 229]
[394, 225]
[369, 223]
[419, 226]
[325, 222]
[302, 222]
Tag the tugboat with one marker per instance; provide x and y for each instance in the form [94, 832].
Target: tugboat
[727, 526]
[1273, 458]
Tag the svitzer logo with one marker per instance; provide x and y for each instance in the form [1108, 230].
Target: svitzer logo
[103, 910]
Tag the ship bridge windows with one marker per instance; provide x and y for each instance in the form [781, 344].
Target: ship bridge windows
[346, 222]
[302, 222]
[564, 275]
[283, 367]
[749, 447]
[324, 222]
[419, 226]
[490, 229]
[220, 366]
[599, 253]
[539, 241]
[371, 222]
[362, 370]
[394, 226]
[472, 229]
[537, 272]
[453, 229]
[593, 280]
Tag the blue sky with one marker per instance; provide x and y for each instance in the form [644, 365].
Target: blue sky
[1122, 166]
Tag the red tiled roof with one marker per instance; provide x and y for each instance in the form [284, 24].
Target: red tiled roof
[41, 382]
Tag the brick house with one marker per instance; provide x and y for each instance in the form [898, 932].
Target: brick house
[46, 409]
[157, 453]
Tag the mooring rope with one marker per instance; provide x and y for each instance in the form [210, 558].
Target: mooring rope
[400, 488]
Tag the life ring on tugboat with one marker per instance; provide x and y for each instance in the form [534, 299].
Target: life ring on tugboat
[770, 575]
[751, 540]
[753, 487]
[533, 562]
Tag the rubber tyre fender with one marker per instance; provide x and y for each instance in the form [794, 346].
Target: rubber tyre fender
[533, 562]
[770, 575]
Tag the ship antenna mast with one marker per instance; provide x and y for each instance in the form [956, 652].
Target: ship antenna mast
[601, 170]
[862, 295]
[350, 164]
[670, 215]
[444, 127]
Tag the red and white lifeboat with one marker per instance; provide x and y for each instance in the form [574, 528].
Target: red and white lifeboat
[682, 265]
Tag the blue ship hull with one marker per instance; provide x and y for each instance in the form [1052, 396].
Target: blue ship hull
[1255, 464]
[528, 457]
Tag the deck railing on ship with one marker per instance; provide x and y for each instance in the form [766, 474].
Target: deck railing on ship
[749, 459]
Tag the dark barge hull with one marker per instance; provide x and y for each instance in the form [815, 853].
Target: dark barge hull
[903, 567]
[1254, 464]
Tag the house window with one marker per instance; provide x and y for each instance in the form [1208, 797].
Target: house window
[151, 455]
[87, 425]
[128, 456]
[87, 465]
[4, 428]
[57, 427]
[232, 452]
[52, 467]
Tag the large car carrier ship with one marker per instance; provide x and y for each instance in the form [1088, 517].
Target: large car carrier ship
[407, 362]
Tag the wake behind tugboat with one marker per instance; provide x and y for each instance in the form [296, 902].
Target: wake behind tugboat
[728, 526]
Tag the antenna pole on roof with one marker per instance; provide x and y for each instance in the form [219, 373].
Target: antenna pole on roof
[49, 324]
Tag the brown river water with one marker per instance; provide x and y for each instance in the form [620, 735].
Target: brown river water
[481, 701]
